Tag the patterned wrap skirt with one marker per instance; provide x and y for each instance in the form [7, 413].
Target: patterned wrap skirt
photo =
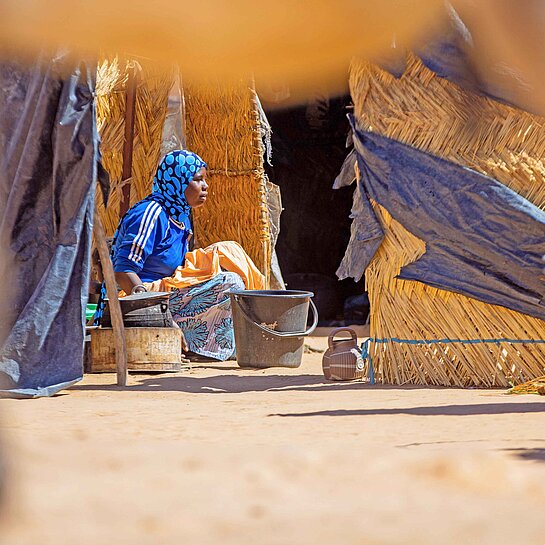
[203, 313]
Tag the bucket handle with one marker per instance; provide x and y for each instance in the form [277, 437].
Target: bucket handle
[283, 333]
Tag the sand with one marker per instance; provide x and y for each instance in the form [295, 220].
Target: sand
[220, 455]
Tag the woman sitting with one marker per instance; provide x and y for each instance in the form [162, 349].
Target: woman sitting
[150, 247]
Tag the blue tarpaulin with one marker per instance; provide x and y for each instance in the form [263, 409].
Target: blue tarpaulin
[48, 170]
[452, 55]
[482, 239]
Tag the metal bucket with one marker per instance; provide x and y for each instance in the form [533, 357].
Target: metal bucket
[270, 326]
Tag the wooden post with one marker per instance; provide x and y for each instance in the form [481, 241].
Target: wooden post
[115, 307]
[130, 106]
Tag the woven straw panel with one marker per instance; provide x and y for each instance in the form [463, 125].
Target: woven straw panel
[434, 115]
[151, 106]
[223, 127]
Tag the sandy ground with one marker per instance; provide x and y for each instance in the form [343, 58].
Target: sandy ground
[224, 455]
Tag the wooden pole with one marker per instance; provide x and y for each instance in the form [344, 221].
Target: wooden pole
[130, 106]
[115, 307]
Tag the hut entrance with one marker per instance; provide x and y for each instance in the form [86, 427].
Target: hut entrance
[309, 147]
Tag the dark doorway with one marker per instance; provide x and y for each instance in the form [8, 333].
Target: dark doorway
[309, 147]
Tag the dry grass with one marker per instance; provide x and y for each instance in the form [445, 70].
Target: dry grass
[534, 386]
[151, 106]
[223, 127]
[436, 116]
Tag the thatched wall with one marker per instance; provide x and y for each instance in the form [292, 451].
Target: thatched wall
[436, 116]
[223, 127]
[151, 106]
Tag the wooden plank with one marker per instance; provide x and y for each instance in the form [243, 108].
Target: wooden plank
[115, 307]
[148, 349]
[130, 105]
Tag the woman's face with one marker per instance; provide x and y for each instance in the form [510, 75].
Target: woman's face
[197, 189]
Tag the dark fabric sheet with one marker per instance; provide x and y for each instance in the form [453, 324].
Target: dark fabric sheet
[482, 239]
[48, 154]
[448, 55]
[366, 233]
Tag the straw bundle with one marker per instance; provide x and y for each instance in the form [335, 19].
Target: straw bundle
[150, 111]
[223, 127]
[436, 116]
[535, 386]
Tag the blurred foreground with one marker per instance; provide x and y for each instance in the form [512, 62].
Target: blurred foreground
[231, 456]
[285, 44]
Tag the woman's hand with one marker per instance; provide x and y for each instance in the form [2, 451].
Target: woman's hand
[129, 281]
[139, 289]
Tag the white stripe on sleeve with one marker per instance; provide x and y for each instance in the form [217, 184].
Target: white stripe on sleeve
[144, 222]
[147, 233]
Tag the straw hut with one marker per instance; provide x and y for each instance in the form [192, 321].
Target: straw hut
[222, 123]
[437, 116]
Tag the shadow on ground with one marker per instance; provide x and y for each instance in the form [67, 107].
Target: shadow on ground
[530, 454]
[236, 384]
[439, 410]
[231, 384]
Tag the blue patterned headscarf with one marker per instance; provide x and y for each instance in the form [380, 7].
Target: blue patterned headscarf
[173, 175]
